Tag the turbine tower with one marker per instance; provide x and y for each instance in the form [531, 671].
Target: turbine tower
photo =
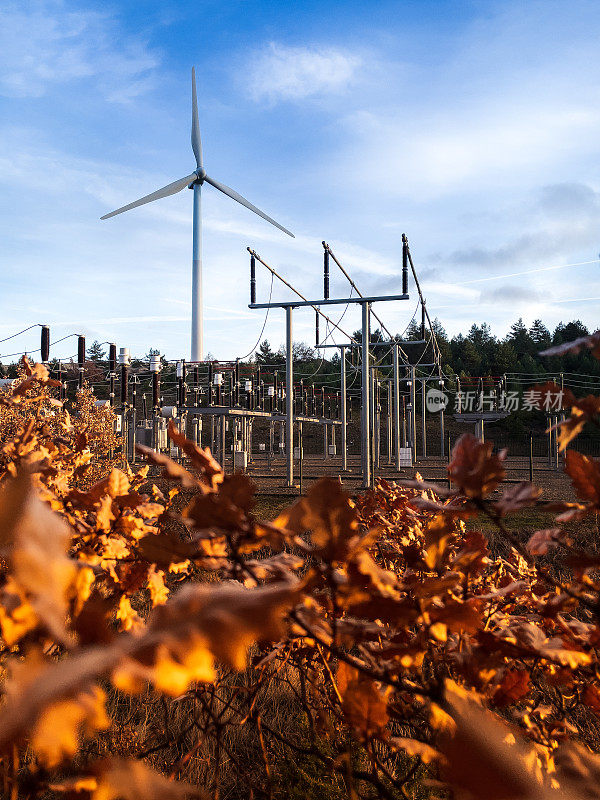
[195, 181]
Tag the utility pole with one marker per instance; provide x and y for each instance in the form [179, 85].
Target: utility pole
[155, 370]
[423, 420]
[344, 409]
[289, 396]
[112, 369]
[124, 361]
[413, 421]
[365, 410]
[396, 407]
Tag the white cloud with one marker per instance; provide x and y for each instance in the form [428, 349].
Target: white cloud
[43, 43]
[295, 73]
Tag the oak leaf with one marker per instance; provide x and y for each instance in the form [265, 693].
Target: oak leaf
[585, 475]
[514, 686]
[327, 512]
[474, 467]
[122, 779]
[56, 732]
[521, 495]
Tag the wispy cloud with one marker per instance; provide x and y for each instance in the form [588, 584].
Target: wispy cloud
[44, 43]
[281, 72]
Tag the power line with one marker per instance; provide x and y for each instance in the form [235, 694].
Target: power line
[243, 358]
[14, 335]
[301, 296]
[359, 293]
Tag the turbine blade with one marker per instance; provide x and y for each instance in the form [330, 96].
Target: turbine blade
[196, 143]
[172, 188]
[238, 197]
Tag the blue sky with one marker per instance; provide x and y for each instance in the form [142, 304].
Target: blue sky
[474, 127]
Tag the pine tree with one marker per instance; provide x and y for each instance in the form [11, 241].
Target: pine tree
[518, 336]
[413, 332]
[264, 354]
[96, 351]
[539, 334]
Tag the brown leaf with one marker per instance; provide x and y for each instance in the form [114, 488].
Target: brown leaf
[201, 459]
[437, 535]
[40, 564]
[363, 704]
[170, 468]
[459, 616]
[57, 731]
[117, 483]
[585, 475]
[42, 682]
[591, 697]
[327, 512]
[122, 779]
[480, 762]
[514, 686]
[542, 541]
[521, 495]
[413, 747]
[474, 467]
[212, 510]
[164, 549]
[239, 490]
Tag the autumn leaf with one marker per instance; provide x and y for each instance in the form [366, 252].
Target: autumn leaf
[413, 747]
[57, 731]
[591, 697]
[584, 472]
[201, 459]
[484, 756]
[514, 686]
[326, 511]
[170, 468]
[117, 483]
[541, 542]
[363, 704]
[40, 564]
[156, 586]
[163, 549]
[474, 467]
[521, 495]
[437, 535]
[124, 779]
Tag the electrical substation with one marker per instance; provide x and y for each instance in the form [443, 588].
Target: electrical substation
[376, 418]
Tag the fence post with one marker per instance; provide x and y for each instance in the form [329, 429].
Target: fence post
[530, 458]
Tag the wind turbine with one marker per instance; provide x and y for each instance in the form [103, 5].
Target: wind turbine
[195, 181]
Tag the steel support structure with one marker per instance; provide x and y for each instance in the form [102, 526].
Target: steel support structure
[289, 396]
[365, 410]
[367, 405]
[396, 395]
[344, 410]
[413, 412]
[423, 421]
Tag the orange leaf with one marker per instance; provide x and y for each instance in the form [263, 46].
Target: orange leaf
[474, 467]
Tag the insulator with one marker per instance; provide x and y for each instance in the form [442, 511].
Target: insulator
[81, 350]
[45, 345]
[404, 264]
[112, 357]
[252, 280]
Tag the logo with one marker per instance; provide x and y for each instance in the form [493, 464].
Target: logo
[436, 400]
